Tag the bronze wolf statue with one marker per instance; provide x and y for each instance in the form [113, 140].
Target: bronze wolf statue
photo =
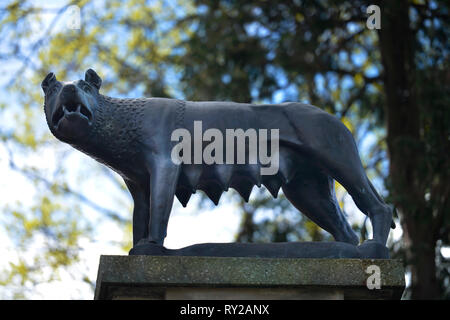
[133, 138]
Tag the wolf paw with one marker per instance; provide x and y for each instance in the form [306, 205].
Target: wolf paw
[371, 249]
[148, 248]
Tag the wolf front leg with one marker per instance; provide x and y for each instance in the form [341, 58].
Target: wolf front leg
[163, 182]
[140, 194]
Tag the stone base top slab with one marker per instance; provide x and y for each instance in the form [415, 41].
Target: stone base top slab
[191, 277]
[369, 249]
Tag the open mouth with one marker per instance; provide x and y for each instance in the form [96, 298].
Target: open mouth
[69, 111]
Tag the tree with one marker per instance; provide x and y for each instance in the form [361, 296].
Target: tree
[414, 52]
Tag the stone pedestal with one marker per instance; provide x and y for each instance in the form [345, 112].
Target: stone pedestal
[165, 277]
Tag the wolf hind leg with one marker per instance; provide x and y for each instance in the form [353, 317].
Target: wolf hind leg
[315, 197]
[342, 162]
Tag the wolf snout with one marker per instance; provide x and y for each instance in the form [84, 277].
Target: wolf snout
[70, 110]
[69, 90]
[77, 108]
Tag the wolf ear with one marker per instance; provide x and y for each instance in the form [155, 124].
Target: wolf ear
[48, 81]
[92, 77]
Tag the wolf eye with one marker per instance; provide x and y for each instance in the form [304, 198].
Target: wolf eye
[86, 87]
[52, 90]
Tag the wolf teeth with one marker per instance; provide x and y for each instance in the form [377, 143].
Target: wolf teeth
[243, 186]
[192, 174]
[273, 184]
[213, 191]
[253, 173]
[183, 195]
[215, 179]
[224, 174]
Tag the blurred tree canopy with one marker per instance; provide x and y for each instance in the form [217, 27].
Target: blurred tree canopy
[390, 87]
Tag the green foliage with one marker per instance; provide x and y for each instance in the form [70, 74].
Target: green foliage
[47, 236]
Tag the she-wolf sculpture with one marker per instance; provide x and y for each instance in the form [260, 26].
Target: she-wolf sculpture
[133, 138]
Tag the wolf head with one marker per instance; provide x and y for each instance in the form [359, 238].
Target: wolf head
[70, 106]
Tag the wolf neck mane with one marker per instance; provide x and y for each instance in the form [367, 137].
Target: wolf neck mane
[116, 130]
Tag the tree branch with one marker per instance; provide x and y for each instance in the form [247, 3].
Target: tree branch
[36, 46]
[65, 189]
